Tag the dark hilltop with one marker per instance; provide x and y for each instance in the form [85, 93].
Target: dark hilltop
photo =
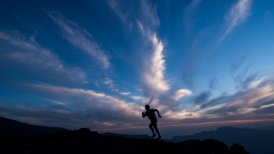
[45, 140]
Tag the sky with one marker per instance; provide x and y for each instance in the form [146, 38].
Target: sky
[96, 63]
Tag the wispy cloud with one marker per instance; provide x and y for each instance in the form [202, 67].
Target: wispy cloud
[125, 93]
[172, 104]
[202, 97]
[137, 98]
[80, 38]
[63, 117]
[132, 96]
[183, 115]
[189, 12]
[193, 41]
[154, 63]
[121, 13]
[179, 94]
[127, 11]
[108, 82]
[253, 101]
[90, 99]
[248, 100]
[154, 75]
[237, 14]
[153, 72]
[29, 53]
[149, 12]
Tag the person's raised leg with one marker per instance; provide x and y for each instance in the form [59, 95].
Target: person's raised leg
[151, 128]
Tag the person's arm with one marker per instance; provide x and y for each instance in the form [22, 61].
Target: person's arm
[158, 113]
[143, 114]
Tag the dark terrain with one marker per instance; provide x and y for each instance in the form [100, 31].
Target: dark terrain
[14, 128]
[83, 141]
[256, 141]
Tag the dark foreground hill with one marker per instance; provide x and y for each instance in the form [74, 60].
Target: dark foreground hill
[83, 141]
[10, 127]
[21, 138]
[256, 141]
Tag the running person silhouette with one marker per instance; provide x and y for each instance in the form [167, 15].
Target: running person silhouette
[150, 113]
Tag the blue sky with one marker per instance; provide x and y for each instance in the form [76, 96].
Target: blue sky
[95, 64]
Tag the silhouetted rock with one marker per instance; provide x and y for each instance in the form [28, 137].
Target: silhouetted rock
[237, 149]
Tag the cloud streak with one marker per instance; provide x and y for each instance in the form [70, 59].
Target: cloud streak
[153, 73]
[80, 38]
[144, 8]
[179, 94]
[254, 101]
[155, 68]
[149, 14]
[27, 52]
[237, 14]
[120, 12]
[249, 100]
[90, 99]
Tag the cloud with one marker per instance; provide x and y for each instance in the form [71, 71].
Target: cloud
[27, 52]
[266, 109]
[247, 100]
[194, 41]
[129, 11]
[125, 93]
[153, 73]
[137, 98]
[113, 4]
[122, 13]
[241, 73]
[141, 27]
[108, 112]
[89, 100]
[154, 64]
[155, 69]
[149, 14]
[80, 38]
[64, 117]
[237, 14]
[189, 12]
[202, 97]
[179, 94]
[133, 97]
[108, 81]
[254, 101]
[182, 115]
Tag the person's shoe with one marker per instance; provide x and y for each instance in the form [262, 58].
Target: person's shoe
[159, 137]
[153, 135]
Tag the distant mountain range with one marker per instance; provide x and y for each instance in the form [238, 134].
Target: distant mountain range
[256, 141]
[17, 137]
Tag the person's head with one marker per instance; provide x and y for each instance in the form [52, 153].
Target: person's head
[147, 107]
